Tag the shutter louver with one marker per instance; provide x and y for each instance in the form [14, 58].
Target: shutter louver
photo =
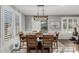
[8, 24]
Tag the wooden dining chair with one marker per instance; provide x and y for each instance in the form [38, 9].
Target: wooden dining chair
[76, 44]
[31, 43]
[55, 42]
[23, 43]
[47, 42]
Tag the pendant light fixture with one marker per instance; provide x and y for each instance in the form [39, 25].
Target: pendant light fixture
[40, 9]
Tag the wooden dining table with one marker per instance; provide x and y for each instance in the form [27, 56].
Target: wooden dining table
[39, 41]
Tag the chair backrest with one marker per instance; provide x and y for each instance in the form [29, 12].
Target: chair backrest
[23, 38]
[47, 39]
[21, 35]
[31, 40]
[56, 37]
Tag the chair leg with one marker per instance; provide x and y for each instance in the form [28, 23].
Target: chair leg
[20, 45]
[48, 50]
[51, 50]
[73, 48]
[28, 50]
[57, 46]
[42, 49]
[78, 48]
[36, 50]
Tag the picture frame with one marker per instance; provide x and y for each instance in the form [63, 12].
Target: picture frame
[55, 25]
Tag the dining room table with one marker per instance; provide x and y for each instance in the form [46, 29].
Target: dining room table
[39, 41]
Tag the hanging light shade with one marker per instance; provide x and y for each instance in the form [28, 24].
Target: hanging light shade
[40, 17]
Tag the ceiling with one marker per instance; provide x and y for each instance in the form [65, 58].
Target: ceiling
[49, 9]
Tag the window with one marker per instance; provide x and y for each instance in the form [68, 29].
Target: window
[64, 24]
[7, 24]
[68, 23]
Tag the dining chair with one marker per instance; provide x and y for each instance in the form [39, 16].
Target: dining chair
[31, 43]
[55, 42]
[22, 41]
[47, 42]
[75, 44]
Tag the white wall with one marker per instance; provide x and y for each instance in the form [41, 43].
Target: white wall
[57, 18]
[52, 19]
[22, 22]
[28, 23]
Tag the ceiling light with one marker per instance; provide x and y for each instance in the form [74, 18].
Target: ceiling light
[40, 17]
